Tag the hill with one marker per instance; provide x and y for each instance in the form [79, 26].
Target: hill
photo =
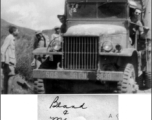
[48, 32]
[23, 31]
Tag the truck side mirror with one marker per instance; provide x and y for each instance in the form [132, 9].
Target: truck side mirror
[61, 18]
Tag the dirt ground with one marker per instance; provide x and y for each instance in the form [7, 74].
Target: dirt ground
[18, 85]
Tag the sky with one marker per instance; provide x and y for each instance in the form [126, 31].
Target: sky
[34, 14]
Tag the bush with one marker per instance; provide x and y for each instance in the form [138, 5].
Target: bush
[24, 48]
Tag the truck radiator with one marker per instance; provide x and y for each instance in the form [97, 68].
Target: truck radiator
[80, 53]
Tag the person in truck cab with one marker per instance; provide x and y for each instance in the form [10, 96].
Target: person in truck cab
[136, 25]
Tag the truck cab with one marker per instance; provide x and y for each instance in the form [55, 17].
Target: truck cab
[96, 46]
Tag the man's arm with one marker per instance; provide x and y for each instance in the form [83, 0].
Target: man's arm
[47, 40]
[141, 29]
[50, 42]
[4, 48]
[52, 37]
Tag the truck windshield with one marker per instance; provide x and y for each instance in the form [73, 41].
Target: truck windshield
[82, 10]
[112, 10]
[97, 10]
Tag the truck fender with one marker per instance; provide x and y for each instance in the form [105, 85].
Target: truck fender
[39, 51]
[129, 52]
[132, 56]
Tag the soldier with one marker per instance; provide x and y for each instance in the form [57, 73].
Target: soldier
[8, 57]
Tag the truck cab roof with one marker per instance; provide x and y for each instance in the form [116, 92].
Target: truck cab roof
[97, 0]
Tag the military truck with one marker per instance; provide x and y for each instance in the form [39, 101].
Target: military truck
[96, 47]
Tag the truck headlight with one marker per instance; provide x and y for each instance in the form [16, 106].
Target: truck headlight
[107, 46]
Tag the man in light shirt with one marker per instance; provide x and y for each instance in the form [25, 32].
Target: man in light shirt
[56, 40]
[8, 56]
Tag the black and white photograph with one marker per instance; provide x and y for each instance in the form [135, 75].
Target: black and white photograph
[76, 47]
[75, 60]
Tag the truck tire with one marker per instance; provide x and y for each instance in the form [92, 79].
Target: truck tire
[39, 86]
[141, 81]
[128, 84]
[148, 83]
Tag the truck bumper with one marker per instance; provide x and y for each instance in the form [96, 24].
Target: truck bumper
[77, 75]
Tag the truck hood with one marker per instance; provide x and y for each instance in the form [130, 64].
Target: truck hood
[95, 30]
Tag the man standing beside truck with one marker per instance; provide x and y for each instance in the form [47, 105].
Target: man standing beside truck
[8, 57]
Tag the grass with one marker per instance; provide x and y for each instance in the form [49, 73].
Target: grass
[24, 48]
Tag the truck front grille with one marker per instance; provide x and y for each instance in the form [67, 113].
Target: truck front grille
[80, 53]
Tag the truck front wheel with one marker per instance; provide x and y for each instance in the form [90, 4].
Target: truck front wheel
[128, 84]
[39, 86]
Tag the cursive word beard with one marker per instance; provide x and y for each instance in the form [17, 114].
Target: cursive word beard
[56, 104]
